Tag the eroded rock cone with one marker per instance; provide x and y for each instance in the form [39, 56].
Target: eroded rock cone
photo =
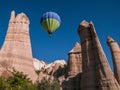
[16, 51]
[75, 60]
[115, 51]
[96, 72]
[74, 69]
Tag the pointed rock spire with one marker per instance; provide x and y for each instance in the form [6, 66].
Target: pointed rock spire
[84, 23]
[12, 17]
[16, 51]
[115, 51]
[96, 72]
[75, 60]
[76, 48]
[22, 18]
[110, 40]
[74, 69]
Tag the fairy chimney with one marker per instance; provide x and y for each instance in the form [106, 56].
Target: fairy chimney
[16, 51]
[75, 60]
[115, 51]
[74, 69]
[96, 72]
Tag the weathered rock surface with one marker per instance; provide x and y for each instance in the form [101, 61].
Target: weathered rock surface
[115, 51]
[74, 69]
[16, 51]
[96, 72]
[56, 69]
[87, 67]
[75, 60]
[39, 64]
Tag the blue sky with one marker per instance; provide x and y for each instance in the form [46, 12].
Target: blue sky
[105, 14]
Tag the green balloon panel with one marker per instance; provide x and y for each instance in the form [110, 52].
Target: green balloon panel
[50, 25]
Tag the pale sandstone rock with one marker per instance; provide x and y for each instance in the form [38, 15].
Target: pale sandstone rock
[74, 69]
[115, 51]
[54, 70]
[16, 51]
[75, 60]
[96, 72]
[39, 64]
[90, 62]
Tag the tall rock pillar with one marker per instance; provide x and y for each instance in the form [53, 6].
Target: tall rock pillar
[75, 60]
[74, 69]
[16, 51]
[115, 51]
[96, 72]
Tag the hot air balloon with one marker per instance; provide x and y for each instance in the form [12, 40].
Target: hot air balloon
[50, 21]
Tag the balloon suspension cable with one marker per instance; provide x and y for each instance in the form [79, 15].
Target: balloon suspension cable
[50, 34]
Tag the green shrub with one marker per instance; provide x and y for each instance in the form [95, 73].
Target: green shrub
[19, 81]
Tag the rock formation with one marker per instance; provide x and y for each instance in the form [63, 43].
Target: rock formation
[87, 67]
[96, 72]
[75, 60]
[52, 70]
[74, 69]
[115, 51]
[16, 51]
[39, 64]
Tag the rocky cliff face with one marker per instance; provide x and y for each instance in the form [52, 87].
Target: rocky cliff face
[16, 51]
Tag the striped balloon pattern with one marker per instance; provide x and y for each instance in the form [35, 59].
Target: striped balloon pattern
[50, 21]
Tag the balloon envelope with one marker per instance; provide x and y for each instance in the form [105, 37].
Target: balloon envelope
[50, 21]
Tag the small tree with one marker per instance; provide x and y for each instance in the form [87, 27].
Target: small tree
[55, 85]
[18, 81]
[44, 85]
[47, 85]
[3, 84]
